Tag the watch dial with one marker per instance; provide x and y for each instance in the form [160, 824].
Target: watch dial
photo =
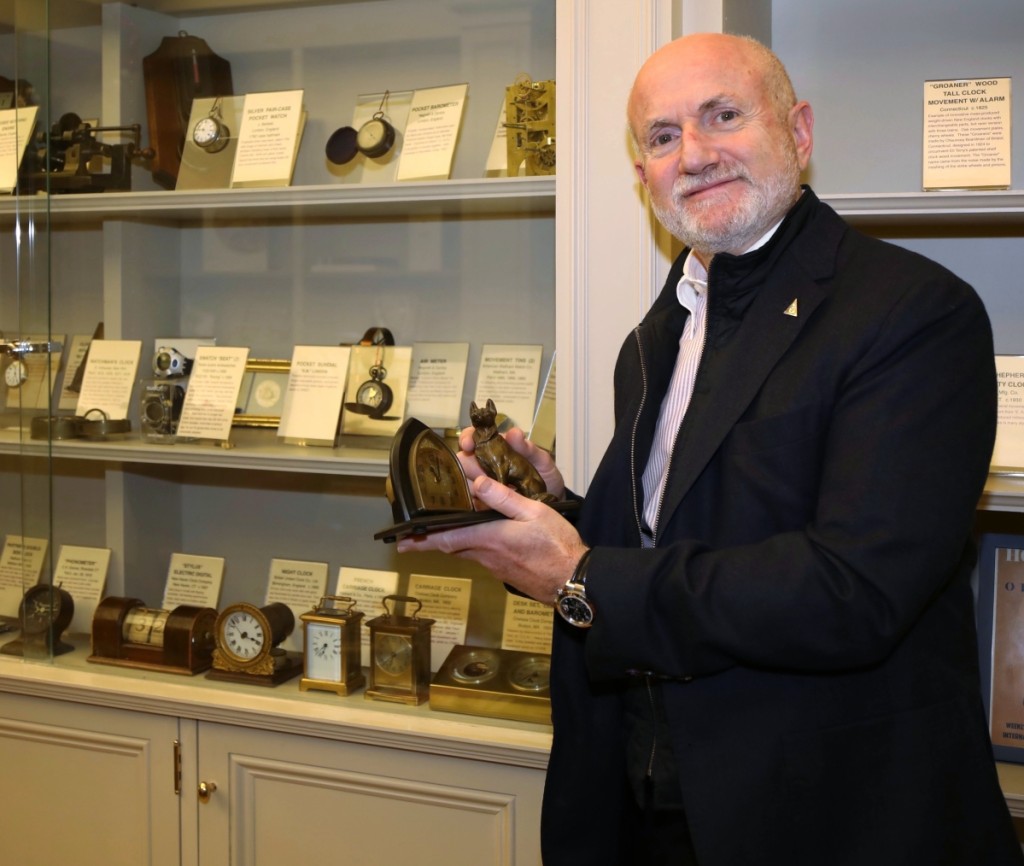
[392, 654]
[205, 132]
[323, 651]
[145, 626]
[15, 374]
[370, 394]
[576, 610]
[375, 137]
[531, 675]
[242, 636]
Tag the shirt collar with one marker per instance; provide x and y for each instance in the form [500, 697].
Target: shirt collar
[695, 276]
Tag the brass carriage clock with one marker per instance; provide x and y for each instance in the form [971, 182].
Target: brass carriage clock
[332, 643]
[399, 653]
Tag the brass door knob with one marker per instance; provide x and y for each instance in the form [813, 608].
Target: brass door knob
[205, 790]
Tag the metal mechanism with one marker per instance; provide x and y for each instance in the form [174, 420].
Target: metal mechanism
[530, 121]
[71, 158]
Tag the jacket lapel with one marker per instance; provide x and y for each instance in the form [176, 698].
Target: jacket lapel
[775, 318]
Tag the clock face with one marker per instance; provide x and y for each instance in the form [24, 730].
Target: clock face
[375, 137]
[531, 675]
[15, 374]
[323, 651]
[210, 134]
[438, 482]
[243, 636]
[45, 607]
[374, 394]
[392, 655]
[144, 626]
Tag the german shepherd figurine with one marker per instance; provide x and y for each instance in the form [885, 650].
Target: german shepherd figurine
[498, 460]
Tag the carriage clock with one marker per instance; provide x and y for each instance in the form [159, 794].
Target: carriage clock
[332, 643]
[399, 653]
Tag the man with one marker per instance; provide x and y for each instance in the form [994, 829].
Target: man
[782, 664]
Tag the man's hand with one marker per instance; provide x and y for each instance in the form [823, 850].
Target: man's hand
[535, 550]
[541, 459]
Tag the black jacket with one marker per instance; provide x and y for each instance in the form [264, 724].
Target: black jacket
[808, 597]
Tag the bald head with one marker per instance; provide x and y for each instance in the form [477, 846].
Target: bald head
[736, 52]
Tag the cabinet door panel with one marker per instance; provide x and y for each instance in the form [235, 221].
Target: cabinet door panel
[282, 798]
[86, 785]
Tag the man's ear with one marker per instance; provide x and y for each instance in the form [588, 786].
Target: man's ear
[801, 127]
[640, 173]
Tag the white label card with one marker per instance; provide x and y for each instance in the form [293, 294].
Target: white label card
[82, 571]
[509, 375]
[109, 378]
[437, 378]
[316, 386]
[1009, 448]
[212, 393]
[21, 564]
[268, 139]
[446, 601]
[368, 588]
[966, 134]
[434, 120]
[527, 625]
[300, 585]
[193, 579]
[15, 130]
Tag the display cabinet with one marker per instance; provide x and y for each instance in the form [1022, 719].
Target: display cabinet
[567, 261]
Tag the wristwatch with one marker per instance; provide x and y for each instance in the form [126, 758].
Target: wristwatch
[571, 600]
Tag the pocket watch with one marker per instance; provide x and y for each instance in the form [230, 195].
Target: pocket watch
[246, 644]
[373, 397]
[399, 653]
[332, 644]
[44, 613]
[16, 373]
[211, 133]
[375, 137]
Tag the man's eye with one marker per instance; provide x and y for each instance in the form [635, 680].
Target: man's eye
[728, 115]
[662, 138]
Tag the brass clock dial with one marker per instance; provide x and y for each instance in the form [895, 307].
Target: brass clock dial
[392, 654]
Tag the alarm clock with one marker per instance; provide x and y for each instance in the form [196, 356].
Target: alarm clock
[246, 639]
[44, 613]
[332, 646]
[399, 653]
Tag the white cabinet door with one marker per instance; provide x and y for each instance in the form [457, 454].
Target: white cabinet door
[86, 785]
[282, 798]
